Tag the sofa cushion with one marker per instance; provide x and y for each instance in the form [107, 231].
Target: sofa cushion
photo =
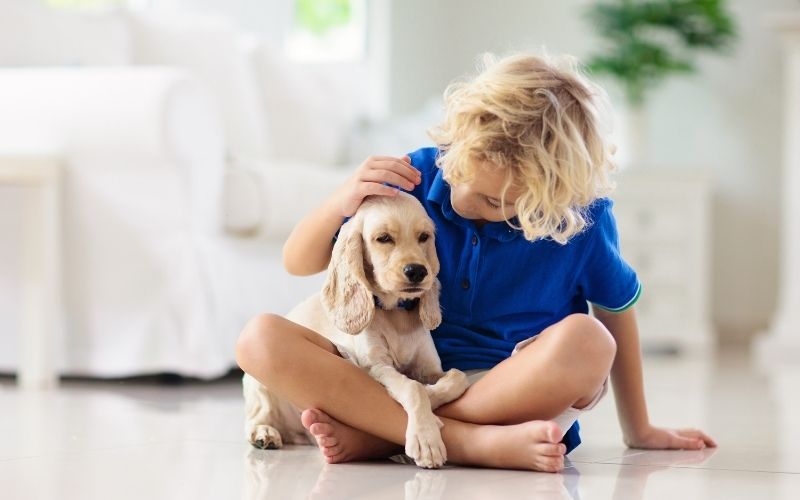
[309, 109]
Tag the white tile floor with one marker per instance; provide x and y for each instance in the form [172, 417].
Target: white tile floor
[102, 440]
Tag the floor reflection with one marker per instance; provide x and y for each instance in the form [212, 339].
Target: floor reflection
[631, 482]
[273, 474]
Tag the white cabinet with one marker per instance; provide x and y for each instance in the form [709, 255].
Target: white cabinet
[663, 220]
[781, 343]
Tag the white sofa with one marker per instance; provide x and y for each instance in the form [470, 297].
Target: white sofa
[188, 156]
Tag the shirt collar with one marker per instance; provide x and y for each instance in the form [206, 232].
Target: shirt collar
[440, 193]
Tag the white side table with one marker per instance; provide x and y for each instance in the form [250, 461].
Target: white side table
[41, 311]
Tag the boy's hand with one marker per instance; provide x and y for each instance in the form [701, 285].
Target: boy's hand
[369, 178]
[671, 439]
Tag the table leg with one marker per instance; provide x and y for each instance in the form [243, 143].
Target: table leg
[41, 314]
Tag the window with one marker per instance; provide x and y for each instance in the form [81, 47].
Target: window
[82, 4]
[327, 31]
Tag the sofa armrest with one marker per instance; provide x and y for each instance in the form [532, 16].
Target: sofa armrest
[151, 113]
[131, 120]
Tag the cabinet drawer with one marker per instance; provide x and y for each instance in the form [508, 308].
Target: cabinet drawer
[665, 263]
[660, 222]
[663, 303]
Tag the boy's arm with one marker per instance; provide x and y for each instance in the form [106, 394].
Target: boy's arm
[308, 249]
[626, 377]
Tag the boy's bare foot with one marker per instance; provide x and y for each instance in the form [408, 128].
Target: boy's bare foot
[531, 445]
[339, 442]
[534, 445]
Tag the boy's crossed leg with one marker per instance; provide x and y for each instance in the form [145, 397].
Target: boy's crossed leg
[353, 417]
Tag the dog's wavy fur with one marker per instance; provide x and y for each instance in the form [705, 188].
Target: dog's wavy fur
[392, 344]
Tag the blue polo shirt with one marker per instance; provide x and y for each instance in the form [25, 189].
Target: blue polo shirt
[499, 289]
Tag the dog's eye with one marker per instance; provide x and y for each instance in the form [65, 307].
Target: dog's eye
[423, 237]
[384, 238]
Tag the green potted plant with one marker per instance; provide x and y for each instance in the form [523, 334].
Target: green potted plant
[646, 41]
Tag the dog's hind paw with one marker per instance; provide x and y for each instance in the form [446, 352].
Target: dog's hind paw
[265, 437]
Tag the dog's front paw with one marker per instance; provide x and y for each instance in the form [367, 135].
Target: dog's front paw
[448, 388]
[456, 383]
[266, 437]
[424, 444]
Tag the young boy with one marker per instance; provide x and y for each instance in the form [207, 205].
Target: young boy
[526, 239]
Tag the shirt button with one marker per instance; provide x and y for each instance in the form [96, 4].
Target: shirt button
[474, 240]
[465, 284]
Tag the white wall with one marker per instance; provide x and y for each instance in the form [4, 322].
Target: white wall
[726, 119]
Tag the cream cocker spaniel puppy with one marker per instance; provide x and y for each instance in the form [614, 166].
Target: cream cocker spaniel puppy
[378, 305]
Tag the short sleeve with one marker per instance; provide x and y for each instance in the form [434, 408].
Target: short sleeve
[607, 280]
[336, 236]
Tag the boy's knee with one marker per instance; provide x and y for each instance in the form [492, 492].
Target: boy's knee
[589, 349]
[256, 342]
[588, 339]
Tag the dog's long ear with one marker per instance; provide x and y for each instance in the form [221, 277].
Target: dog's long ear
[346, 296]
[432, 256]
[429, 311]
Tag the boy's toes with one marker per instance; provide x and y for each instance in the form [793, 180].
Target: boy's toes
[309, 417]
[312, 416]
[319, 429]
[550, 464]
[332, 451]
[545, 431]
[326, 441]
[552, 432]
[550, 449]
[335, 459]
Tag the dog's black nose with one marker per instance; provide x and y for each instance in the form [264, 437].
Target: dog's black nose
[415, 272]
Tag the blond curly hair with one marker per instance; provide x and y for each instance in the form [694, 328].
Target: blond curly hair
[543, 121]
